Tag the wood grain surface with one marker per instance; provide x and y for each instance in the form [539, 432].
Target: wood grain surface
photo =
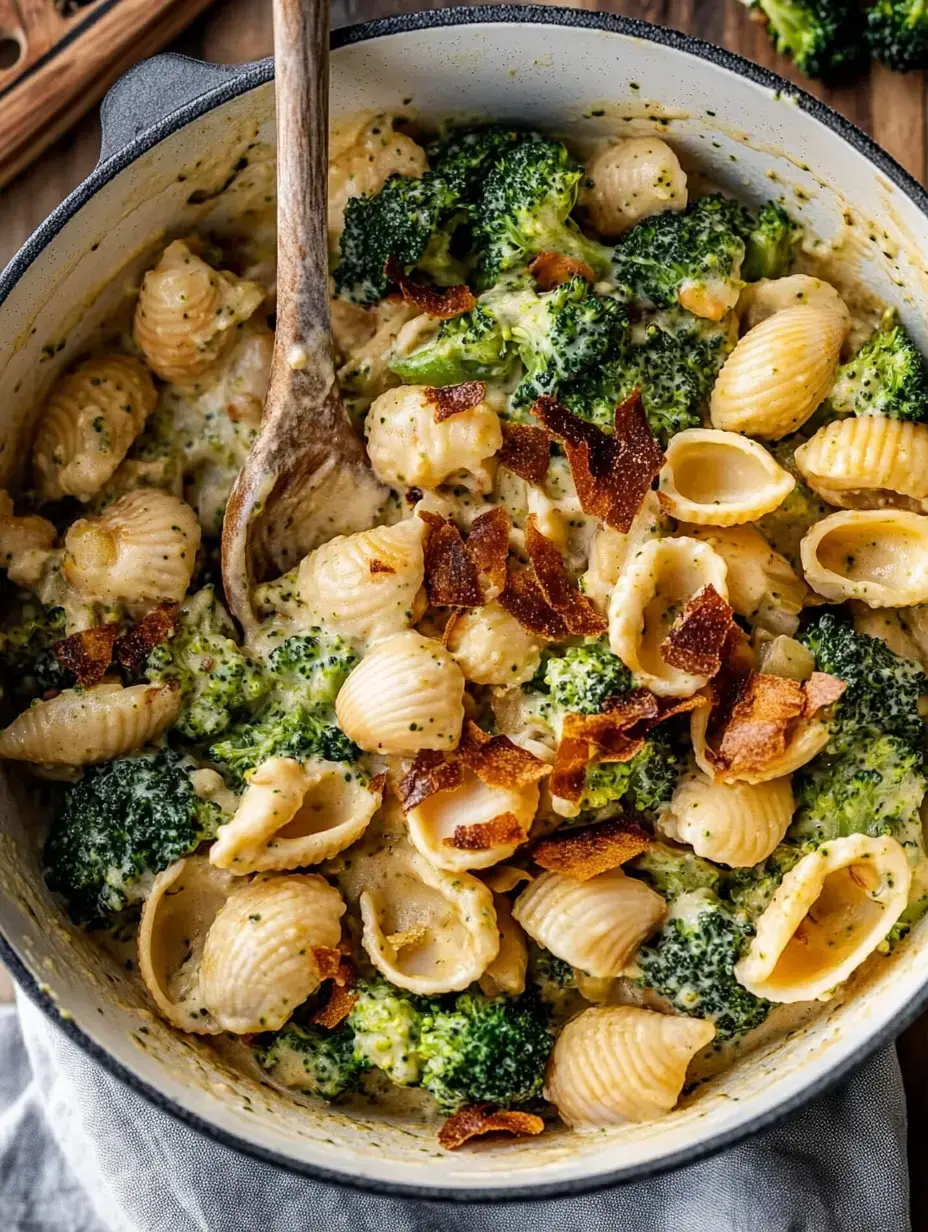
[891, 108]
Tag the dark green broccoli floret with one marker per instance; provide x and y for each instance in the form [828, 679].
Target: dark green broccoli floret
[691, 963]
[471, 347]
[897, 33]
[216, 676]
[673, 871]
[123, 823]
[485, 1049]
[751, 889]
[523, 208]
[28, 668]
[582, 679]
[463, 156]
[314, 1059]
[386, 1022]
[769, 245]
[643, 783]
[887, 376]
[822, 37]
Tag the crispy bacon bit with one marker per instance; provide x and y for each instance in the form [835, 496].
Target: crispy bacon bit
[134, 647]
[442, 303]
[756, 732]
[448, 632]
[484, 835]
[342, 996]
[821, 690]
[328, 960]
[612, 474]
[578, 614]
[430, 773]
[377, 784]
[450, 574]
[583, 853]
[522, 599]
[550, 269]
[451, 400]
[475, 1120]
[87, 654]
[497, 761]
[488, 545]
[694, 643]
[526, 451]
[379, 566]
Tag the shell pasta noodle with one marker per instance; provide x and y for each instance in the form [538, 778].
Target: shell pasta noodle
[571, 739]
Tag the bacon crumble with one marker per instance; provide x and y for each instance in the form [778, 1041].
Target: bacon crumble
[578, 614]
[450, 573]
[487, 545]
[585, 852]
[87, 654]
[430, 773]
[497, 760]
[821, 690]
[134, 647]
[526, 451]
[475, 1120]
[379, 566]
[695, 641]
[523, 600]
[342, 996]
[484, 835]
[442, 303]
[451, 400]
[550, 269]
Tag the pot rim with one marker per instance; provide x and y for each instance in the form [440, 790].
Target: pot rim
[259, 73]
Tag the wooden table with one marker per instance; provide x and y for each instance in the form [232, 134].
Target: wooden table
[890, 107]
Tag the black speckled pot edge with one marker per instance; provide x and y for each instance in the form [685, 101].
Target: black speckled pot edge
[257, 74]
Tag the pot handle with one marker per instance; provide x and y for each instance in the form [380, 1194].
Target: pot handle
[151, 90]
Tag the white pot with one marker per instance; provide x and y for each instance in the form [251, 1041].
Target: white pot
[565, 71]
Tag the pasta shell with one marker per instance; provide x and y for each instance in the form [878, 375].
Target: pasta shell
[258, 963]
[294, 816]
[408, 448]
[595, 925]
[141, 549]
[879, 556]
[736, 824]
[615, 1064]
[779, 372]
[406, 695]
[474, 803]
[81, 727]
[806, 740]
[868, 461]
[363, 166]
[505, 975]
[717, 478]
[368, 585]
[491, 647]
[762, 585]
[631, 180]
[92, 416]
[610, 549]
[25, 542]
[760, 300]
[830, 911]
[184, 901]
[648, 597]
[187, 312]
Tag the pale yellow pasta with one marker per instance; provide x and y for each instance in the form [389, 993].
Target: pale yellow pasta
[82, 727]
[595, 925]
[716, 478]
[491, 647]
[92, 416]
[368, 585]
[25, 543]
[762, 586]
[879, 556]
[364, 372]
[363, 165]
[806, 739]
[609, 549]
[736, 824]
[779, 372]
[651, 592]
[433, 823]
[141, 549]
[615, 1064]
[760, 300]
[184, 901]
[829, 913]
[294, 816]
[868, 461]
[889, 626]
[631, 180]
[406, 695]
[258, 962]
[505, 976]
[187, 312]
[408, 447]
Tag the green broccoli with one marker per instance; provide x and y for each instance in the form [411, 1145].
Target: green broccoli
[644, 783]
[470, 347]
[770, 243]
[216, 676]
[786, 526]
[464, 156]
[691, 963]
[584, 677]
[122, 824]
[887, 376]
[485, 1049]
[312, 1059]
[386, 1022]
[751, 889]
[673, 871]
[28, 668]
[822, 37]
[897, 33]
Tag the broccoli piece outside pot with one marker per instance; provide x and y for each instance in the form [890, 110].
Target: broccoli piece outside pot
[887, 376]
[897, 34]
[823, 38]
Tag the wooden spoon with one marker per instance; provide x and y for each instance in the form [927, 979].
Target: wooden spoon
[307, 477]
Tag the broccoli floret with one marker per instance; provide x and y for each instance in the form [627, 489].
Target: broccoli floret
[673, 871]
[216, 676]
[28, 668]
[463, 156]
[523, 208]
[485, 1049]
[402, 221]
[691, 963]
[386, 1023]
[122, 824]
[470, 347]
[770, 243]
[897, 33]
[582, 679]
[644, 783]
[751, 889]
[297, 719]
[887, 376]
[313, 1059]
[822, 37]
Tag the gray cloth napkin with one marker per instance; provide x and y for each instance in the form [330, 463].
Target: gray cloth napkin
[79, 1152]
